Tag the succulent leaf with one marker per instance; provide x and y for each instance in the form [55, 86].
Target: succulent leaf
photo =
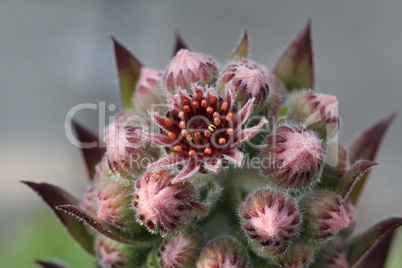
[365, 146]
[55, 196]
[179, 44]
[295, 67]
[360, 246]
[241, 50]
[129, 70]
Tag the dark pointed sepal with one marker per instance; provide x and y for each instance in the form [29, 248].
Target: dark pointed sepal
[179, 44]
[92, 154]
[138, 239]
[365, 146]
[241, 50]
[50, 264]
[295, 67]
[55, 196]
[129, 70]
[360, 247]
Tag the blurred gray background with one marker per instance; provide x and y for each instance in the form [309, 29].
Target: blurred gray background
[57, 54]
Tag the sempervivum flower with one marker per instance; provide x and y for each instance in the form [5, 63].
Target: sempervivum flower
[332, 255]
[270, 218]
[112, 254]
[179, 251]
[163, 206]
[325, 214]
[223, 252]
[148, 89]
[127, 153]
[201, 130]
[293, 157]
[247, 80]
[114, 206]
[300, 255]
[189, 67]
[317, 111]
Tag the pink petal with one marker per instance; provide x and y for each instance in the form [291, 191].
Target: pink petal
[189, 170]
[234, 156]
[159, 139]
[169, 161]
[197, 89]
[229, 96]
[213, 164]
[244, 113]
[246, 134]
[160, 121]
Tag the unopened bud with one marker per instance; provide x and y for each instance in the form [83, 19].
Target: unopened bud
[332, 255]
[223, 252]
[89, 200]
[163, 206]
[299, 255]
[270, 218]
[179, 251]
[189, 67]
[316, 111]
[324, 214]
[292, 157]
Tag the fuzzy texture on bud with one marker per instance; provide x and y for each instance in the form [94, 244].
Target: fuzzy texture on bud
[351, 212]
[270, 218]
[179, 251]
[247, 80]
[102, 171]
[163, 206]
[223, 252]
[324, 214]
[127, 152]
[299, 255]
[89, 200]
[148, 90]
[189, 67]
[333, 255]
[112, 254]
[292, 157]
[114, 205]
[317, 111]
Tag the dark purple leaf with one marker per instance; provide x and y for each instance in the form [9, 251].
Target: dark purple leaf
[55, 196]
[129, 70]
[241, 50]
[295, 67]
[93, 155]
[179, 44]
[50, 264]
[365, 146]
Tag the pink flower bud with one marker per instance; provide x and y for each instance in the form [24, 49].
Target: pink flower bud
[223, 252]
[188, 67]
[351, 212]
[270, 218]
[102, 171]
[163, 206]
[332, 255]
[299, 255]
[89, 200]
[324, 214]
[127, 152]
[112, 254]
[317, 111]
[179, 251]
[247, 80]
[114, 206]
[148, 90]
[293, 157]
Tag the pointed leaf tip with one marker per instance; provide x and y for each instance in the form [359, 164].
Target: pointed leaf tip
[361, 246]
[55, 196]
[179, 44]
[50, 264]
[129, 70]
[93, 154]
[295, 67]
[241, 50]
[365, 146]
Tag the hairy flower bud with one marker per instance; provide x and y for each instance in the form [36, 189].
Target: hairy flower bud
[127, 152]
[189, 67]
[112, 254]
[114, 206]
[316, 111]
[351, 212]
[270, 218]
[299, 255]
[332, 255]
[89, 200]
[163, 206]
[102, 171]
[293, 157]
[223, 252]
[179, 251]
[148, 89]
[324, 214]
